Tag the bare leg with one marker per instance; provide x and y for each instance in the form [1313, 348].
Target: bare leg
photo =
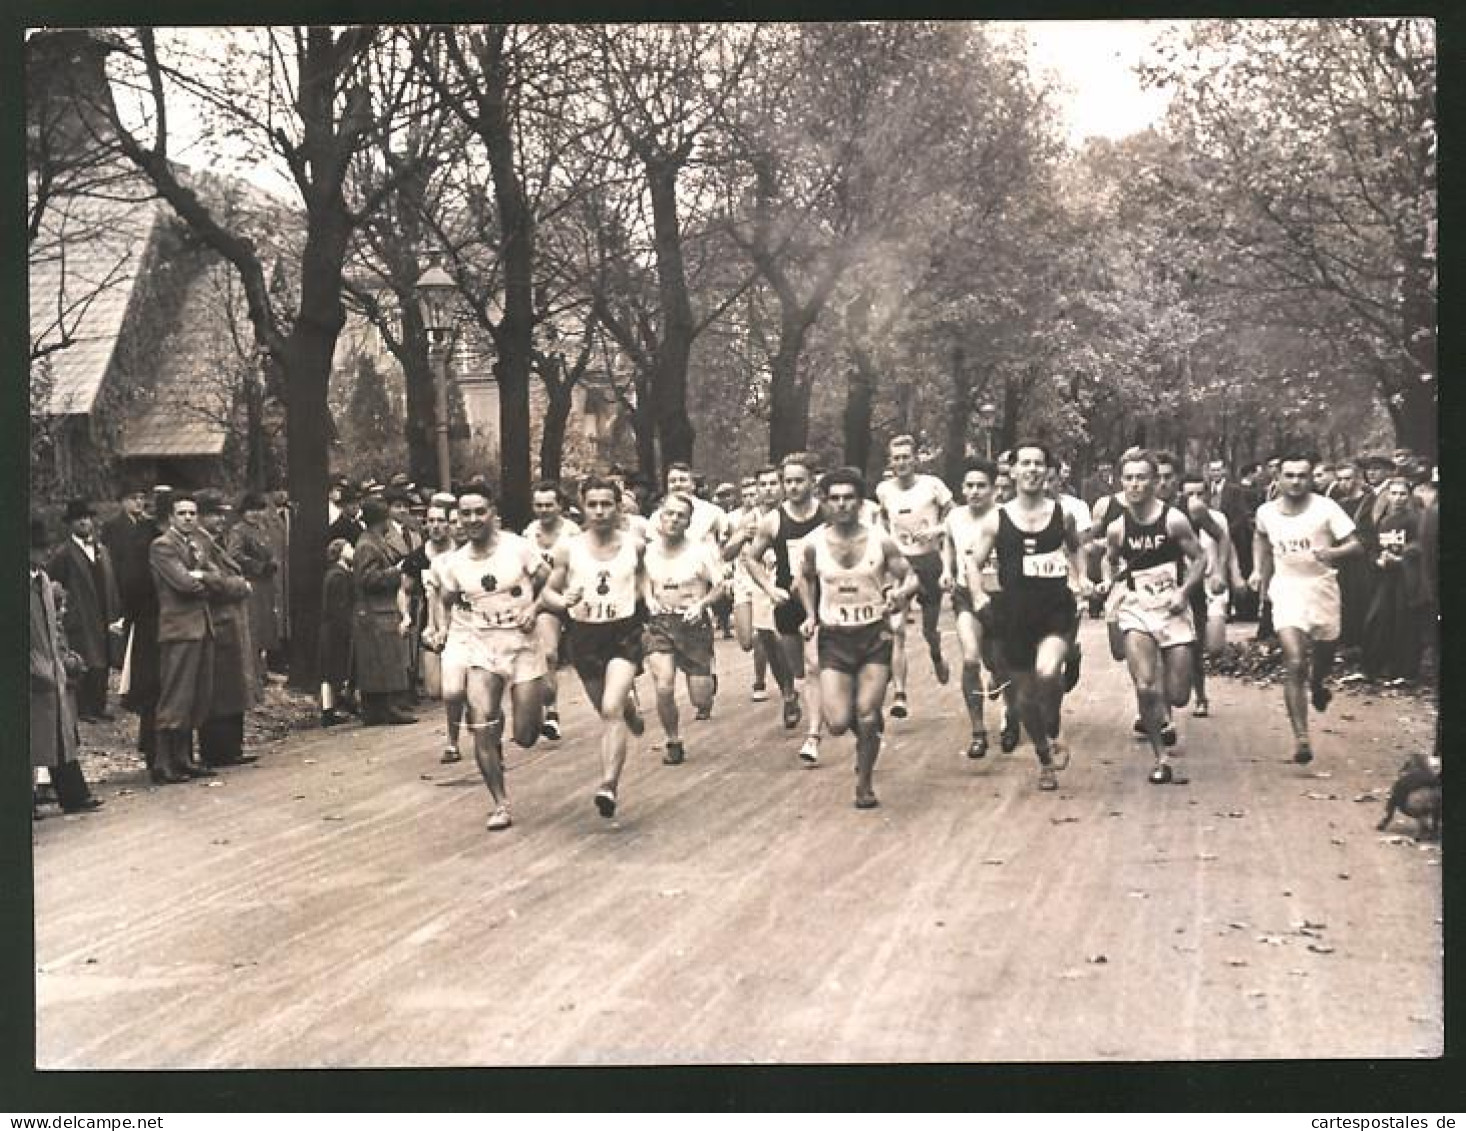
[1142, 657]
[969, 641]
[528, 699]
[663, 668]
[870, 694]
[485, 696]
[1297, 652]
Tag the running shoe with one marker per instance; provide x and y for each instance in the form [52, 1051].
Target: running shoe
[939, 666]
[606, 801]
[1008, 738]
[1168, 735]
[899, 709]
[1321, 697]
[1071, 668]
[1202, 709]
[1048, 781]
[675, 754]
[634, 722]
[792, 713]
[809, 753]
[1058, 756]
[450, 755]
[499, 819]
[550, 727]
[1137, 728]
[978, 747]
[1161, 774]
[704, 714]
[1303, 754]
[760, 693]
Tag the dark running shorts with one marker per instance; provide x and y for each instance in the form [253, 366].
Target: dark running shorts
[593, 646]
[1015, 627]
[690, 644]
[928, 570]
[962, 600]
[850, 649]
[788, 617]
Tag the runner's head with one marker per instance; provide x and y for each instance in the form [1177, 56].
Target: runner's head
[1398, 493]
[979, 478]
[843, 490]
[796, 471]
[1323, 476]
[680, 479]
[600, 500]
[1193, 485]
[676, 516]
[725, 495]
[901, 456]
[1139, 475]
[1346, 476]
[435, 523]
[476, 512]
[1003, 486]
[1165, 475]
[1031, 462]
[770, 486]
[545, 500]
[1295, 474]
[748, 492]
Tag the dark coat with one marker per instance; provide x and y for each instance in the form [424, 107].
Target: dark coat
[379, 650]
[183, 600]
[236, 663]
[92, 601]
[346, 527]
[338, 599]
[252, 547]
[1392, 636]
[53, 738]
[128, 543]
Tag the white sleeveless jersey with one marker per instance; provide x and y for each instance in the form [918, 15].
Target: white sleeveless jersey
[973, 575]
[607, 588]
[496, 589]
[850, 596]
[914, 513]
[679, 580]
[548, 543]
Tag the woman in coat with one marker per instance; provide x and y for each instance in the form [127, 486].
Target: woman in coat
[337, 601]
[1392, 639]
[53, 734]
[379, 628]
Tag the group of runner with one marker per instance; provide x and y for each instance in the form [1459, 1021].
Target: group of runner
[822, 572]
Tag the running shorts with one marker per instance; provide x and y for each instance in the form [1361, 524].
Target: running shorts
[1167, 629]
[850, 649]
[690, 644]
[788, 617]
[1309, 604]
[928, 570]
[1016, 626]
[594, 645]
[511, 655]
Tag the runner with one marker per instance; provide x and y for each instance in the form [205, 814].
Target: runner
[682, 580]
[915, 506]
[781, 530]
[1033, 616]
[549, 528]
[1151, 539]
[1300, 538]
[709, 522]
[753, 614]
[416, 578]
[1076, 508]
[597, 580]
[971, 584]
[863, 578]
[495, 578]
[1210, 599]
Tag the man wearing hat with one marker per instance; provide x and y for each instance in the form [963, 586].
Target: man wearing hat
[379, 628]
[53, 736]
[252, 548]
[348, 523]
[236, 679]
[93, 606]
[184, 574]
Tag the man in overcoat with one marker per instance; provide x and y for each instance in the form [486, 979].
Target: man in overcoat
[379, 627]
[84, 568]
[53, 737]
[251, 545]
[236, 682]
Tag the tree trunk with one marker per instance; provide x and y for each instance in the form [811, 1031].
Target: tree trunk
[558, 403]
[419, 386]
[669, 379]
[1416, 419]
[860, 388]
[954, 448]
[644, 424]
[788, 401]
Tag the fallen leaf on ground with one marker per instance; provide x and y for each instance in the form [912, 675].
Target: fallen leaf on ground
[1097, 960]
[1320, 948]
[1062, 820]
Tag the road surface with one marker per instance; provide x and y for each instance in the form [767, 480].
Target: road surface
[340, 903]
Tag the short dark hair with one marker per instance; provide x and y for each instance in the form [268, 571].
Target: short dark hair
[600, 483]
[842, 476]
[1192, 475]
[1141, 455]
[673, 499]
[478, 487]
[1043, 448]
[803, 459]
[545, 485]
[676, 465]
[374, 511]
[986, 466]
[904, 440]
[1163, 456]
[1297, 455]
[766, 469]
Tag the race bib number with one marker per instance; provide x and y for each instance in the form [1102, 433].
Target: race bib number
[1155, 588]
[1392, 540]
[856, 614]
[1050, 565]
[1295, 547]
[599, 612]
[497, 618]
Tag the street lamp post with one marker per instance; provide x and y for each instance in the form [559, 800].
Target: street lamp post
[435, 291]
[987, 415]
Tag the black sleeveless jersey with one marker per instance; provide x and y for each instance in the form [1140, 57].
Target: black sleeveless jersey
[1033, 564]
[791, 529]
[1147, 545]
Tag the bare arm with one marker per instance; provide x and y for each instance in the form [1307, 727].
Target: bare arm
[753, 558]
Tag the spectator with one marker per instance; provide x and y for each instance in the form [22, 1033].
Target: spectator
[53, 733]
[1392, 636]
[379, 622]
[236, 681]
[1355, 573]
[250, 546]
[83, 567]
[348, 523]
[335, 639]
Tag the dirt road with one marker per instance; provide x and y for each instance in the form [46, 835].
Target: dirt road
[340, 903]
